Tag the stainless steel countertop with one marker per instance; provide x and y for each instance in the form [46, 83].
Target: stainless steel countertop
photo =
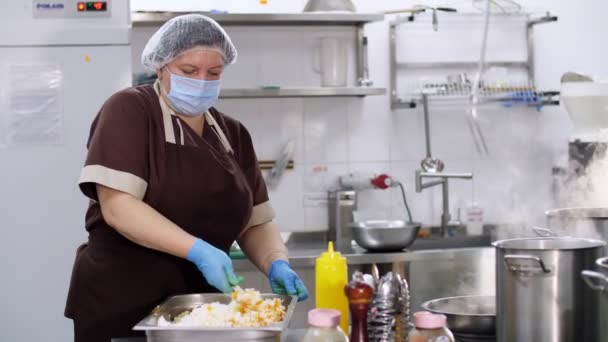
[305, 247]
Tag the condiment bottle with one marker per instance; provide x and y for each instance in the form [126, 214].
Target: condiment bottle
[430, 327]
[324, 326]
[359, 296]
[331, 275]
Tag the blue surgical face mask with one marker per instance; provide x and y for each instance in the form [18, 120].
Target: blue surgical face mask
[192, 97]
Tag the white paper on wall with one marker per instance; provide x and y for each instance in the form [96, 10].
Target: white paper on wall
[34, 109]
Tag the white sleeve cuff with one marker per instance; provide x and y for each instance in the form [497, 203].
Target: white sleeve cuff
[118, 180]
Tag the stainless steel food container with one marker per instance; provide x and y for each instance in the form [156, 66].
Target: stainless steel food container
[329, 5]
[540, 294]
[384, 235]
[591, 223]
[467, 314]
[598, 281]
[178, 304]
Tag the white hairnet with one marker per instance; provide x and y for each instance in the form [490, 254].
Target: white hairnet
[184, 33]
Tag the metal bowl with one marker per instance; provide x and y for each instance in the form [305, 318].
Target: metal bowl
[384, 235]
[466, 314]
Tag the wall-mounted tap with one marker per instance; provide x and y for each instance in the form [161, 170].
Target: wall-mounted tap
[432, 168]
[440, 178]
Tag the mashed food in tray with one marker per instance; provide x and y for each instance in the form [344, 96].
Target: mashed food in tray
[246, 309]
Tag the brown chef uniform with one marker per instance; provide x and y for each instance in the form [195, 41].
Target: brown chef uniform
[209, 185]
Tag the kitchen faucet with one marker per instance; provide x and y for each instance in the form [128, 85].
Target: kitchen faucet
[432, 168]
[440, 178]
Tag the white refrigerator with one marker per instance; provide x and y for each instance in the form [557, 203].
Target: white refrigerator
[59, 61]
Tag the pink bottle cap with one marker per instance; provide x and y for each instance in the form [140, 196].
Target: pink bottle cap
[324, 318]
[427, 320]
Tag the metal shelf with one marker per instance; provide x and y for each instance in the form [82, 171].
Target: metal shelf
[461, 65]
[446, 91]
[308, 19]
[356, 20]
[300, 92]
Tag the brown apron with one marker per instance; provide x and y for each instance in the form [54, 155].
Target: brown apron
[115, 283]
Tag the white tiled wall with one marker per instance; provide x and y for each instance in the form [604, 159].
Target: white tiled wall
[336, 136]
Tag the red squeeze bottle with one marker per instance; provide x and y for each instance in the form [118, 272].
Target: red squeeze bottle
[359, 296]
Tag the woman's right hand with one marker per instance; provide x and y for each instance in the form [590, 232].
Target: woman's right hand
[215, 265]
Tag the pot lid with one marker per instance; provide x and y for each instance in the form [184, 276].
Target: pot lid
[548, 243]
[579, 212]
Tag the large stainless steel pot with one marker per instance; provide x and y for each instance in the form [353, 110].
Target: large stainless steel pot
[591, 223]
[598, 281]
[540, 295]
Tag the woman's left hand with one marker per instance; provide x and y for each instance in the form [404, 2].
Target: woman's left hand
[285, 281]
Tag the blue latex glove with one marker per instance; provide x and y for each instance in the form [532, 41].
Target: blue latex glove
[285, 281]
[215, 265]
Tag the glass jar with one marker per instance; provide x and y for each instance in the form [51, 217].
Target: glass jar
[324, 326]
[430, 328]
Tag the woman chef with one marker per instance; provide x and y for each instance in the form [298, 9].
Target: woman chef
[173, 183]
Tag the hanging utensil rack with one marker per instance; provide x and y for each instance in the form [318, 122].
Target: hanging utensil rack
[506, 92]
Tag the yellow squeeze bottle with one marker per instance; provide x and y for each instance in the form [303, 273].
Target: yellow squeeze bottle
[331, 276]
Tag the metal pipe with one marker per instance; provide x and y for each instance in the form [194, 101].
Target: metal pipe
[546, 19]
[393, 64]
[445, 216]
[362, 58]
[406, 10]
[458, 175]
[467, 65]
[420, 186]
[530, 44]
[427, 128]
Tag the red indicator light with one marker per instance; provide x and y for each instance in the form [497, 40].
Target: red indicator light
[81, 7]
[94, 6]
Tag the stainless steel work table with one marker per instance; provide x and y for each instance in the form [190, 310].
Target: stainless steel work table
[434, 267]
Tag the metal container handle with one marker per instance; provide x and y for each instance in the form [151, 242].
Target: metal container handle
[513, 268]
[595, 280]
